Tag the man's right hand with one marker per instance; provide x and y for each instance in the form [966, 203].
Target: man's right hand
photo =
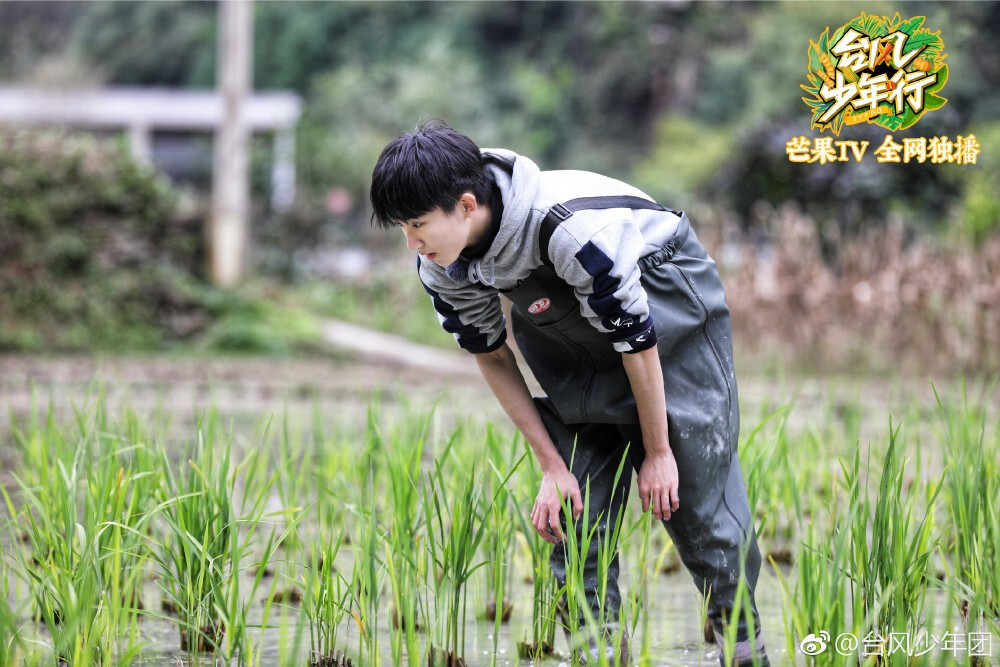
[545, 515]
[502, 374]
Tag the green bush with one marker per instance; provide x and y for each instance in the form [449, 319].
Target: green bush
[94, 255]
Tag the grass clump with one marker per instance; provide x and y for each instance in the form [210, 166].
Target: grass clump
[544, 598]
[84, 529]
[972, 531]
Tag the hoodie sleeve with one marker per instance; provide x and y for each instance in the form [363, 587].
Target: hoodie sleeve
[470, 312]
[603, 269]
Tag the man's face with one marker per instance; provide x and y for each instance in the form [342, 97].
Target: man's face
[438, 235]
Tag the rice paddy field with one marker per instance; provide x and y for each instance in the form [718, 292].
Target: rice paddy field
[340, 514]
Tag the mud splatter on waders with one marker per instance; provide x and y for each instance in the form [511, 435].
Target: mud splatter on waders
[589, 404]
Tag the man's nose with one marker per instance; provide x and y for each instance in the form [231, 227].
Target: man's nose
[412, 242]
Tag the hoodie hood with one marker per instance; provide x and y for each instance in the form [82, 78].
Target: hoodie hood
[517, 178]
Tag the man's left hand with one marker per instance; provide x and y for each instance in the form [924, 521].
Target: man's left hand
[658, 482]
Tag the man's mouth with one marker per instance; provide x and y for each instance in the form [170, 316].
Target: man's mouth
[431, 256]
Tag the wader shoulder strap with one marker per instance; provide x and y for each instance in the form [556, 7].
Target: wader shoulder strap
[561, 212]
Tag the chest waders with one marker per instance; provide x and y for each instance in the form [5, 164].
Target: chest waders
[589, 408]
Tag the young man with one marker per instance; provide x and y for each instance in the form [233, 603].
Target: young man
[620, 315]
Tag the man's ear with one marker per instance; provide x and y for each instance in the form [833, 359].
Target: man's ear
[468, 202]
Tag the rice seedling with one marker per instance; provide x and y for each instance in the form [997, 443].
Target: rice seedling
[991, 549]
[403, 548]
[972, 483]
[326, 601]
[85, 539]
[772, 483]
[455, 527]
[597, 630]
[294, 467]
[611, 630]
[208, 544]
[294, 624]
[336, 482]
[367, 577]
[235, 612]
[635, 604]
[119, 496]
[741, 609]
[573, 601]
[403, 572]
[367, 463]
[498, 541]
[193, 558]
[40, 446]
[122, 547]
[13, 648]
[821, 601]
[890, 568]
[544, 600]
[869, 576]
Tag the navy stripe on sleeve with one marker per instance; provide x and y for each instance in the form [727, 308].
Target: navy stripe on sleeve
[469, 337]
[603, 301]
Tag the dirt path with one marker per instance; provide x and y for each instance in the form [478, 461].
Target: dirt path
[386, 349]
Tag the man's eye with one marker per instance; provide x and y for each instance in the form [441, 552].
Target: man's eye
[417, 225]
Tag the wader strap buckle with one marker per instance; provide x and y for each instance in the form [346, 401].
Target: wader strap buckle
[559, 213]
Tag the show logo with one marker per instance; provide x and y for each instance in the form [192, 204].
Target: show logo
[875, 69]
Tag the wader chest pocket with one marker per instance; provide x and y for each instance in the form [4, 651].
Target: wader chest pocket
[544, 300]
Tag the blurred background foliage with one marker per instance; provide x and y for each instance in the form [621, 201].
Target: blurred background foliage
[100, 253]
[693, 102]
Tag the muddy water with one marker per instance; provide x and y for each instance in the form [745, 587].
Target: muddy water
[674, 631]
[674, 636]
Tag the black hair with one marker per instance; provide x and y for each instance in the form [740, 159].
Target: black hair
[428, 168]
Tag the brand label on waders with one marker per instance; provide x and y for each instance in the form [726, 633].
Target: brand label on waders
[539, 306]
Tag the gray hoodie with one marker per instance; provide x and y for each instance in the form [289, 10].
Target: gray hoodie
[595, 251]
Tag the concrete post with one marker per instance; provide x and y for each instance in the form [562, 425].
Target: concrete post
[230, 175]
[283, 170]
[140, 143]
